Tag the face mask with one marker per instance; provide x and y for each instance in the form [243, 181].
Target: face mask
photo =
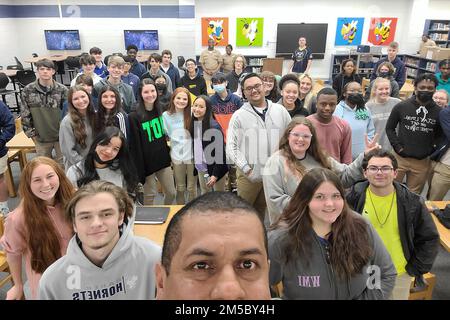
[425, 96]
[356, 98]
[161, 86]
[384, 74]
[219, 88]
[100, 161]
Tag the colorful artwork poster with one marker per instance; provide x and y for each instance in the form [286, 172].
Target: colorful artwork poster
[216, 29]
[349, 31]
[249, 32]
[382, 31]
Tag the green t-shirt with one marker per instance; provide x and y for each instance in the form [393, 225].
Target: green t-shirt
[382, 213]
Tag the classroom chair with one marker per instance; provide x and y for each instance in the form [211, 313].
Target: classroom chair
[4, 267]
[4, 81]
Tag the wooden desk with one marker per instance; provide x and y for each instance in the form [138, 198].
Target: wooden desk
[53, 57]
[155, 232]
[406, 91]
[21, 141]
[9, 73]
[444, 233]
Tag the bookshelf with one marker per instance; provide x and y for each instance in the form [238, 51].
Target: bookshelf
[416, 65]
[364, 63]
[439, 31]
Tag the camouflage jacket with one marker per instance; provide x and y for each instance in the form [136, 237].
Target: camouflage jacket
[41, 111]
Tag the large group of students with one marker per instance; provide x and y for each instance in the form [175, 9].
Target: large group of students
[335, 177]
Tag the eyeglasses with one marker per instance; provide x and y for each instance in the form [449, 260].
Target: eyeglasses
[255, 87]
[375, 169]
[305, 136]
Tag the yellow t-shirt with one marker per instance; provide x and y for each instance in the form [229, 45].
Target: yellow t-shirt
[382, 213]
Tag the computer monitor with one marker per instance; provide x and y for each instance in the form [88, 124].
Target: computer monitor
[143, 39]
[62, 39]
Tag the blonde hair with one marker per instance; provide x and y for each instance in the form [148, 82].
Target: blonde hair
[375, 85]
[310, 96]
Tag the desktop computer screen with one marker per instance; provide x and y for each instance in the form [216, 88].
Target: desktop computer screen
[143, 39]
[62, 39]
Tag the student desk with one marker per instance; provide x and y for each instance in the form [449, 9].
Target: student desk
[155, 232]
[53, 57]
[21, 142]
[444, 233]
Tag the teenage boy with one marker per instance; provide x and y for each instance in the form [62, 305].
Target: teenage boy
[100, 67]
[399, 216]
[224, 104]
[211, 60]
[417, 120]
[7, 132]
[333, 133]
[253, 135]
[215, 248]
[137, 68]
[154, 72]
[444, 75]
[104, 260]
[42, 102]
[168, 68]
[130, 78]
[399, 66]
[302, 58]
[193, 80]
[115, 70]
[87, 63]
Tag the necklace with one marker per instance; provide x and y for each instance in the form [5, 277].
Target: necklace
[376, 214]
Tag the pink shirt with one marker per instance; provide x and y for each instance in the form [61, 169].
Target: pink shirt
[334, 137]
[15, 244]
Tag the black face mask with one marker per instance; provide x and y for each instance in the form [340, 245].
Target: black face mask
[356, 98]
[161, 86]
[425, 96]
[384, 74]
[100, 161]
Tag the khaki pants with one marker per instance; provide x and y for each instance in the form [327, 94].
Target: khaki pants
[218, 186]
[402, 286]
[440, 182]
[252, 192]
[165, 178]
[45, 149]
[231, 178]
[416, 172]
[181, 172]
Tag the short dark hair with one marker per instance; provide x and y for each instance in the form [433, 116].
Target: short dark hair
[443, 63]
[229, 46]
[215, 203]
[47, 63]
[191, 60]
[156, 56]
[86, 59]
[168, 52]
[290, 77]
[326, 91]
[248, 76]
[132, 46]
[218, 77]
[379, 153]
[127, 59]
[426, 76]
[95, 50]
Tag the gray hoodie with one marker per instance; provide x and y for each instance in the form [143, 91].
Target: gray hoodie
[313, 278]
[251, 141]
[127, 273]
[280, 182]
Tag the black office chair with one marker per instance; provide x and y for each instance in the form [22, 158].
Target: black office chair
[4, 81]
[181, 62]
[25, 77]
[73, 66]
[105, 60]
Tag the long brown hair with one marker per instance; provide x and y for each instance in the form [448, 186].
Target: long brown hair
[350, 248]
[78, 126]
[187, 111]
[314, 148]
[41, 237]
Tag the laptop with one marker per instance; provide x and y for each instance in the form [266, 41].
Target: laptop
[151, 215]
